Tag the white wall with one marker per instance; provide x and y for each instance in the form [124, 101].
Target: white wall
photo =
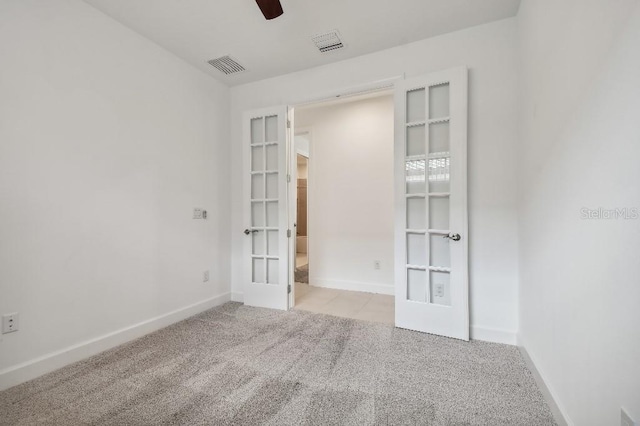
[107, 143]
[350, 191]
[580, 148]
[490, 53]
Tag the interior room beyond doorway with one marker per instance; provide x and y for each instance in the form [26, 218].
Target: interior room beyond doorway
[344, 206]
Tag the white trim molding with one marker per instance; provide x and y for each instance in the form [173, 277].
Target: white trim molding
[31, 369]
[353, 286]
[494, 335]
[237, 297]
[558, 411]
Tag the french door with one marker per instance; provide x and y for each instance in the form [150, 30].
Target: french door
[265, 190]
[430, 155]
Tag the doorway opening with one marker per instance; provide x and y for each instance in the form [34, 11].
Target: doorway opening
[344, 207]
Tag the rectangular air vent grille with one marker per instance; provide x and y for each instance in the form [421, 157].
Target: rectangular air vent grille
[226, 65]
[328, 41]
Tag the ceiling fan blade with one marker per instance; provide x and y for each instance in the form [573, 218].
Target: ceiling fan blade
[270, 8]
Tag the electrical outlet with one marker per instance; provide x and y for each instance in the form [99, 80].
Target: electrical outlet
[197, 213]
[376, 264]
[625, 419]
[439, 290]
[10, 323]
[205, 276]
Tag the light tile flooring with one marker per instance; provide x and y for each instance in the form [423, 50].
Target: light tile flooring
[347, 304]
[301, 259]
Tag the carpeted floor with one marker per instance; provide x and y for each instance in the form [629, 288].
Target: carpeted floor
[236, 365]
[302, 274]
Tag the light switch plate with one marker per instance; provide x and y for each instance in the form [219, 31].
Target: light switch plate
[10, 323]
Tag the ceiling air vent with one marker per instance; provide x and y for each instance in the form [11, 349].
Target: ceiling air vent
[326, 42]
[226, 65]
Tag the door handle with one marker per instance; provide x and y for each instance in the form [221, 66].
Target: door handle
[454, 237]
[252, 231]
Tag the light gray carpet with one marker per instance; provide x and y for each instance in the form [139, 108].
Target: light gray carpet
[246, 366]
[302, 274]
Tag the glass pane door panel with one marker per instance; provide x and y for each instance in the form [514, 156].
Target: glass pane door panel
[272, 271]
[257, 214]
[272, 157]
[439, 137]
[439, 213]
[272, 185]
[416, 249]
[272, 214]
[271, 129]
[416, 104]
[439, 174]
[258, 270]
[440, 289]
[257, 131]
[416, 141]
[272, 243]
[257, 187]
[439, 101]
[439, 251]
[257, 246]
[257, 158]
[416, 213]
[416, 285]
[415, 175]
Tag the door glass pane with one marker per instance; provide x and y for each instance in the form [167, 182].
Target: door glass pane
[257, 214]
[257, 242]
[256, 130]
[440, 288]
[272, 243]
[258, 270]
[416, 249]
[439, 137]
[272, 185]
[272, 129]
[439, 213]
[257, 187]
[416, 285]
[257, 159]
[439, 174]
[439, 251]
[272, 271]
[416, 105]
[439, 101]
[416, 213]
[272, 214]
[416, 140]
[272, 157]
[415, 175]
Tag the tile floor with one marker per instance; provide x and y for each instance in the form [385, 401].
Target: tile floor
[347, 304]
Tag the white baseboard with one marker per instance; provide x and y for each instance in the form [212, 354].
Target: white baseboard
[493, 335]
[353, 286]
[559, 413]
[237, 297]
[37, 367]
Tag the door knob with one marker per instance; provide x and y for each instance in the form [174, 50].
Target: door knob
[247, 231]
[454, 237]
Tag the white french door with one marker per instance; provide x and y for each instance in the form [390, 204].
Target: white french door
[430, 163]
[265, 189]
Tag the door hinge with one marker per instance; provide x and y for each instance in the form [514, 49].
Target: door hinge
[288, 124]
[288, 178]
[288, 233]
[288, 288]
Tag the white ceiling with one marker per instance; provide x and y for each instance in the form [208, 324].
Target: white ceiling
[199, 30]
